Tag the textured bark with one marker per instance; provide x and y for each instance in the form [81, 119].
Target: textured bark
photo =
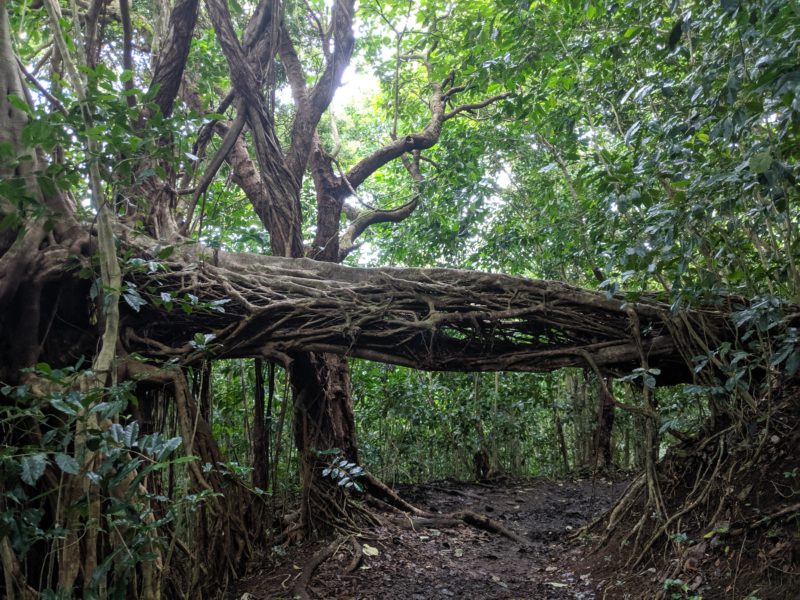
[173, 54]
[260, 427]
[281, 183]
[323, 407]
[437, 319]
[605, 426]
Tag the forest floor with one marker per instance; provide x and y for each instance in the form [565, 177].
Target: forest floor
[460, 562]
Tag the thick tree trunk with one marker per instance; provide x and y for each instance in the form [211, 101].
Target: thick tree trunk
[323, 421]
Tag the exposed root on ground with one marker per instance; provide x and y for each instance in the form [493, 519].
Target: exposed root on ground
[415, 517]
[301, 584]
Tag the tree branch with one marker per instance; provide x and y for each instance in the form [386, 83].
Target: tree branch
[439, 319]
[476, 105]
[168, 71]
[367, 218]
[427, 138]
[127, 49]
[312, 104]
[282, 183]
[228, 141]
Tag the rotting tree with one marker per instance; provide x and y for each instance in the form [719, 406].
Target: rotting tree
[304, 313]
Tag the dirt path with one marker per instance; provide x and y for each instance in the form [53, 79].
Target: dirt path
[461, 562]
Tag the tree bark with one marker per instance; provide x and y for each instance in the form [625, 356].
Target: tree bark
[605, 424]
[435, 319]
[323, 421]
[260, 429]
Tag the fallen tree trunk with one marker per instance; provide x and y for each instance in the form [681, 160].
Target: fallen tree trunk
[435, 319]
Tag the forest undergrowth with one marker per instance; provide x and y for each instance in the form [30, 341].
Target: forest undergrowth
[731, 499]
[730, 530]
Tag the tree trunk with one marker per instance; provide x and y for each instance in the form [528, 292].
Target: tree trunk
[562, 444]
[260, 439]
[323, 421]
[605, 424]
[582, 417]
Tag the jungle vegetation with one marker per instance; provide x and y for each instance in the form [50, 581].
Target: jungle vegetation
[260, 259]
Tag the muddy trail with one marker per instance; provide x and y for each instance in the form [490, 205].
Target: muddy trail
[458, 562]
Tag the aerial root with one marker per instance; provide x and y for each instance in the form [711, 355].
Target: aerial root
[356, 551]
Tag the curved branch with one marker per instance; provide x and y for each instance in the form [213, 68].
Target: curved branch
[427, 138]
[395, 149]
[312, 104]
[476, 105]
[282, 183]
[230, 138]
[367, 218]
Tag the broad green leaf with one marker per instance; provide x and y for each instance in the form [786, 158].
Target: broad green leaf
[760, 162]
[67, 463]
[33, 466]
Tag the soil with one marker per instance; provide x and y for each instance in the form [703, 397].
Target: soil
[459, 562]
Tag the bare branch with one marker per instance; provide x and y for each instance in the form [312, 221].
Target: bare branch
[127, 48]
[216, 162]
[41, 89]
[366, 218]
[280, 180]
[476, 105]
[319, 98]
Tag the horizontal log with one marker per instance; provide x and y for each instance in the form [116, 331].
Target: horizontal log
[434, 319]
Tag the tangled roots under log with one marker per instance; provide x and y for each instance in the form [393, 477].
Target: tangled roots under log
[734, 486]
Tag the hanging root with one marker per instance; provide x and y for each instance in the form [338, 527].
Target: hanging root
[416, 517]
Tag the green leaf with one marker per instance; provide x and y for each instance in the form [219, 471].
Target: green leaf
[131, 434]
[33, 467]
[67, 463]
[19, 104]
[134, 300]
[760, 162]
[61, 406]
